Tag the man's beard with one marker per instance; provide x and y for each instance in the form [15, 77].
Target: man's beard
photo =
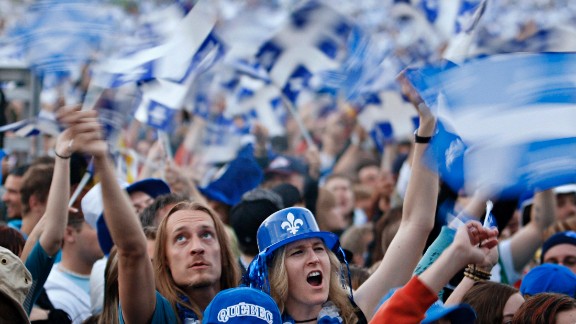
[202, 283]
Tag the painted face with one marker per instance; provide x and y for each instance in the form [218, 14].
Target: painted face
[564, 254]
[342, 190]
[193, 249]
[140, 200]
[511, 307]
[12, 196]
[308, 267]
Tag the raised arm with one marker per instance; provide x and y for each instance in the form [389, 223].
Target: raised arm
[50, 230]
[464, 250]
[135, 275]
[417, 221]
[529, 238]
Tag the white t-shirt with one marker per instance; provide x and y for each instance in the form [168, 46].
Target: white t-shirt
[64, 293]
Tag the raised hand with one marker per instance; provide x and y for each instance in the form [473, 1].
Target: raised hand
[474, 242]
[83, 132]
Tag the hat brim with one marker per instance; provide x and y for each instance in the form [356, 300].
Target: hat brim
[461, 313]
[330, 240]
[151, 186]
[17, 307]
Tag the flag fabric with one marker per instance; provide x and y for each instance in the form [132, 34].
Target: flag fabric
[192, 45]
[44, 123]
[255, 100]
[166, 72]
[514, 115]
[390, 120]
[356, 79]
[57, 37]
[309, 43]
[172, 75]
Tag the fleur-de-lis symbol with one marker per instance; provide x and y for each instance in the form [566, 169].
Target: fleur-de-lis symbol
[292, 225]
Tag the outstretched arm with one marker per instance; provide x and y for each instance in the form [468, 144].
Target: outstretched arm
[135, 274]
[529, 238]
[464, 250]
[417, 221]
[50, 230]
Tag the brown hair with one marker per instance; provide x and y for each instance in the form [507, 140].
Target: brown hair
[164, 280]
[488, 299]
[336, 294]
[324, 204]
[543, 308]
[111, 294]
[11, 239]
[384, 231]
[36, 182]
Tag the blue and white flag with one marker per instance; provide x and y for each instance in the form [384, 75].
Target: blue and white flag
[44, 123]
[391, 119]
[265, 106]
[357, 79]
[310, 43]
[193, 49]
[515, 116]
[192, 46]
[57, 37]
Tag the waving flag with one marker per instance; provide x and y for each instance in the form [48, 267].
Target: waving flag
[389, 120]
[57, 37]
[515, 117]
[168, 71]
[310, 43]
[44, 123]
[192, 46]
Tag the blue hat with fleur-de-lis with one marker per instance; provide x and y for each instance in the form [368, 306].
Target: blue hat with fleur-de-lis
[281, 228]
[289, 225]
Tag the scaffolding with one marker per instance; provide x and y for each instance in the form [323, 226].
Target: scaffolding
[21, 85]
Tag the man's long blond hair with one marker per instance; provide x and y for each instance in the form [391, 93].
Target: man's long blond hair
[230, 274]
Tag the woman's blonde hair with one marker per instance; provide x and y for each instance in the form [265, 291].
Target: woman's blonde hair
[336, 293]
[230, 276]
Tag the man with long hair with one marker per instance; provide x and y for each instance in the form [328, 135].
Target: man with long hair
[192, 262]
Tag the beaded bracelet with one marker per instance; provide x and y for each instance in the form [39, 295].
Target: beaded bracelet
[476, 274]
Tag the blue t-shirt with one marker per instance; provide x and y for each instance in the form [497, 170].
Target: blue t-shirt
[163, 313]
[39, 263]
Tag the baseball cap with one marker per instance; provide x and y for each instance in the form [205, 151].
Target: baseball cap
[93, 207]
[549, 277]
[567, 237]
[240, 176]
[460, 313]
[242, 305]
[15, 282]
[286, 165]
[565, 189]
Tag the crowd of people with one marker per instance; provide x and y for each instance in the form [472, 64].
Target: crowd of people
[334, 233]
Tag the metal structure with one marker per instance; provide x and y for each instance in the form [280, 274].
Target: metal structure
[21, 85]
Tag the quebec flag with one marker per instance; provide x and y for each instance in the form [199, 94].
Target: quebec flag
[311, 42]
[515, 115]
[194, 49]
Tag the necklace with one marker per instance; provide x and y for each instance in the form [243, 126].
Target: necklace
[306, 321]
